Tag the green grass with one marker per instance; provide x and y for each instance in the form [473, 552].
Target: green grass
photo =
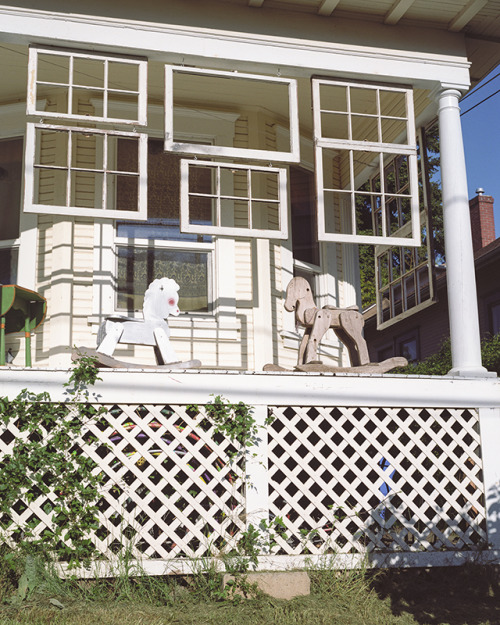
[453, 596]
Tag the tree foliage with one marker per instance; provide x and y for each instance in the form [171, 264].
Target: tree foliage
[440, 362]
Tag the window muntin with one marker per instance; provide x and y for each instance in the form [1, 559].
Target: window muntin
[85, 172]
[208, 91]
[233, 199]
[359, 129]
[67, 77]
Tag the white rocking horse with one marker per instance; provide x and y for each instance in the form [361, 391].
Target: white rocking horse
[160, 301]
[347, 323]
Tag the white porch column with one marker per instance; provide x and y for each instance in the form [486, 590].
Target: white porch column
[461, 279]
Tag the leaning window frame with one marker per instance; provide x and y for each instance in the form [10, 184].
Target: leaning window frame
[380, 148]
[31, 150]
[282, 202]
[381, 250]
[171, 145]
[141, 118]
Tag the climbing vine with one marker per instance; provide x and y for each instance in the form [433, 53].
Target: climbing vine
[46, 459]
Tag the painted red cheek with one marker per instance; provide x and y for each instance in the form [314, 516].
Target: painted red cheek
[171, 302]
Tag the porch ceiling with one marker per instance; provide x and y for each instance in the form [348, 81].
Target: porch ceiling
[478, 20]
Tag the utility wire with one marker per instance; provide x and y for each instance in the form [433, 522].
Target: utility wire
[474, 91]
[476, 105]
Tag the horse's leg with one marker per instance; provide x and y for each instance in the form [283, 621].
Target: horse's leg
[322, 322]
[113, 333]
[164, 347]
[350, 333]
[302, 347]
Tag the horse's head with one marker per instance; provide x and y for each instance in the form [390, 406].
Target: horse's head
[298, 289]
[161, 299]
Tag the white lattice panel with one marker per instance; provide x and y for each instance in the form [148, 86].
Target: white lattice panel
[345, 480]
[351, 480]
[169, 486]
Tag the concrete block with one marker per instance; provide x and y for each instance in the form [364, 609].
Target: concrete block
[281, 585]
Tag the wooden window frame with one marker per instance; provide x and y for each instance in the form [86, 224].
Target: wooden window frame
[426, 264]
[141, 93]
[262, 233]
[185, 147]
[380, 148]
[30, 206]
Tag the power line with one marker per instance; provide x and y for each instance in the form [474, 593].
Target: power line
[476, 105]
[474, 91]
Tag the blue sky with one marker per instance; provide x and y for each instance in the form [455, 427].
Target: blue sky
[481, 132]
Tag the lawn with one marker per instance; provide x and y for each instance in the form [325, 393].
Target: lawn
[455, 596]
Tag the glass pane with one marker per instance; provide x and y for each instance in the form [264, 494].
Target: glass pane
[123, 106]
[365, 205]
[364, 101]
[392, 103]
[53, 68]
[88, 72]
[163, 182]
[239, 95]
[122, 192]
[336, 169]
[333, 98]
[394, 131]
[364, 129]
[202, 210]
[138, 267]
[265, 215]
[123, 76]
[383, 269]
[233, 182]
[11, 171]
[127, 154]
[234, 213]
[395, 255]
[58, 96]
[86, 189]
[87, 102]
[50, 187]
[87, 150]
[8, 266]
[265, 185]
[160, 229]
[202, 179]
[334, 126]
[338, 217]
[303, 207]
[52, 147]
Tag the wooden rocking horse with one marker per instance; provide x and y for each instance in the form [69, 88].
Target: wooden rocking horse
[160, 301]
[347, 323]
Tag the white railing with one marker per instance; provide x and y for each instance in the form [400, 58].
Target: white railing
[385, 468]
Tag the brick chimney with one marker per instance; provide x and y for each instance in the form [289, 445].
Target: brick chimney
[482, 220]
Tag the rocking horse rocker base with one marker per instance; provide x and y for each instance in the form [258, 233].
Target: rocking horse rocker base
[108, 362]
[319, 367]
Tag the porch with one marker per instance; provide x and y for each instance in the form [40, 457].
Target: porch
[397, 470]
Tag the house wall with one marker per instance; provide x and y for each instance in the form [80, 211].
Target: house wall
[218, 35]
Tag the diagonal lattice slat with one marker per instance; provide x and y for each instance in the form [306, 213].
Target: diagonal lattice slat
[378, 479]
